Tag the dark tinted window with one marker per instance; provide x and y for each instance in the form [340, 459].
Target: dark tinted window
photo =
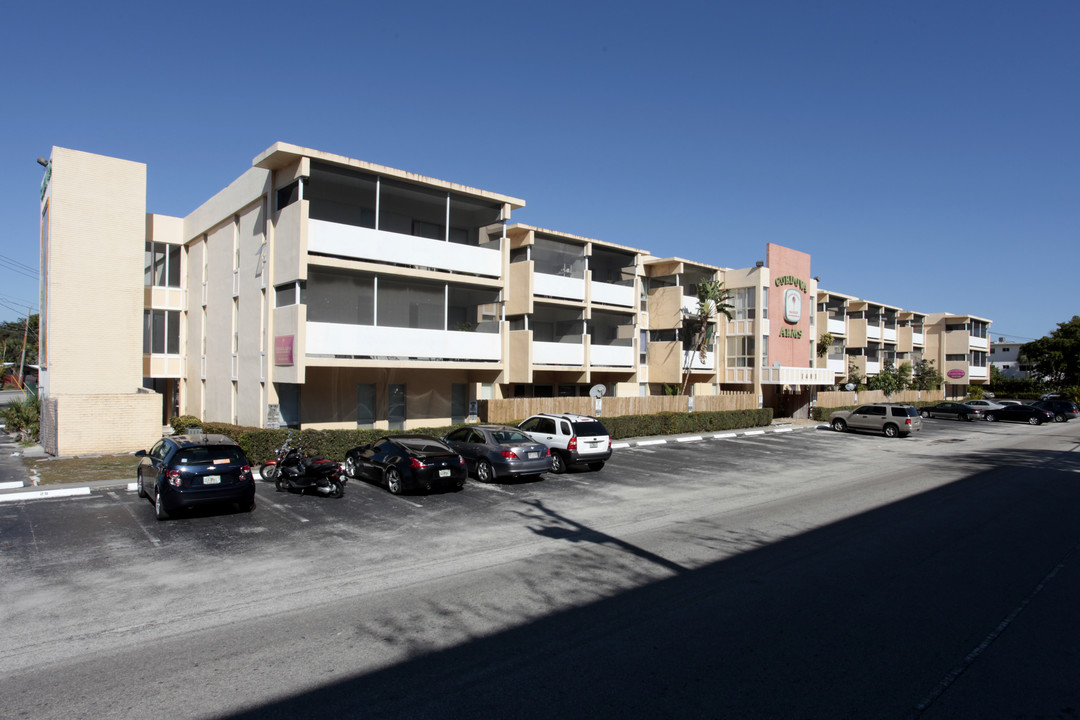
[207, 454]
[905, 412]
[871, 410]
[459, 435]
[590, 427]
[424, 446]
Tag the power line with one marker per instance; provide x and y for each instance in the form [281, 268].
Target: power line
[16, 269]
[20, 264]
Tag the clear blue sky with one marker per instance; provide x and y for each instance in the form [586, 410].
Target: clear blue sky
[926, 154]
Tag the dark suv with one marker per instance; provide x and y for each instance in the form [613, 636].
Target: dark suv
[1063, 409]
[892, 419]
[186, 471]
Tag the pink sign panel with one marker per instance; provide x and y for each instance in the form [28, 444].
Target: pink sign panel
[283, 349]
[956, 374]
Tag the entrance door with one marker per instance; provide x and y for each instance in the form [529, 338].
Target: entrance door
[395, 411]
[365, 405]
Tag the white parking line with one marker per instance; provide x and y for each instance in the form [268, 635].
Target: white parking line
[488, 486]
[284, 510]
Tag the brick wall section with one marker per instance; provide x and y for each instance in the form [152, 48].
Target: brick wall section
[94, 424]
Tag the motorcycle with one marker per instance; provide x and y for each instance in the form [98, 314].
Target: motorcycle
[294, 471]
[269, 469]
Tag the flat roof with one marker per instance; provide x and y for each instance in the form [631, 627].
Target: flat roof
[280, 155]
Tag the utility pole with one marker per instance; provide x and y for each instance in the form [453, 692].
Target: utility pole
[22, 360]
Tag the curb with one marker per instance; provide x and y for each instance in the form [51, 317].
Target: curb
[712, 436]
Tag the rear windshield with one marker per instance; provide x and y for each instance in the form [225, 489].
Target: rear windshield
[908, 411]
[210, 455]
[510, 436]
[424, 447]
[590, 427]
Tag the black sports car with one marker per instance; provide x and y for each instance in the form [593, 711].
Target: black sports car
[407, 462]
[1021, 413]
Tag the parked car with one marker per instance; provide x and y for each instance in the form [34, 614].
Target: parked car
[1009, 402]
[954, 410]
[407, 462]
[573, 439]
[497, 451]
[1063, 409]
[185, 471]
[1021, 413]
[985, 405]
[894, 420]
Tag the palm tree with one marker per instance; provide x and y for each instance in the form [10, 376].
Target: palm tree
[712, 300]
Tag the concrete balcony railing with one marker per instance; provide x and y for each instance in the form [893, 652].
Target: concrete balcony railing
[890, 334]
[558, 286]
[838, 366]
[917, 339]
[558, 353]
[610, 294]
[873, 367]
[362, 243]
[340, 340]
[695, 360]
[836, 327]
[621, 356]
[874, 332]
[978, 343]
[979, 373]
[797, 376]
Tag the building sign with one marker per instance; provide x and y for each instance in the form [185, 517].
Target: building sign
[791, 280]
[283, 350]
[792, 306]
[956, 374]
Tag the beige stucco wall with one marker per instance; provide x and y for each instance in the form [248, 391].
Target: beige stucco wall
[251, 228]
[105, 423]
[94, 316]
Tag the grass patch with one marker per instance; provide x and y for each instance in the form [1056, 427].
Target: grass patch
[52, 471]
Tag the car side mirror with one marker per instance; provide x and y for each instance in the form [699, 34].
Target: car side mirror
[140, 453]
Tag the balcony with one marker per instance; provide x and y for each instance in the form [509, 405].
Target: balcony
[362, 341]
[978, 373]
[836, 326]
[360, 243]
[873, 332]
[695, 363]
[609, 294]
[559, 286]
[917, 338]
[890, 334]
[837, 366]
[558, 353]
[978, 343]
[621, 356]
[873, 367]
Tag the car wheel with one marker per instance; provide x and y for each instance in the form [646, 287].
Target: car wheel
[350, 466]
[393, 480]
[1060, 418]
[1033, 420]
[925, 414]
[159, 507]
[558, 463]
[839, 425]
[964, 416]
[990, 417]
[891, 430]
[139, 487]
[484, 472]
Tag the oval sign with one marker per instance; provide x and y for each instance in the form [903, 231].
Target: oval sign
[956, 374]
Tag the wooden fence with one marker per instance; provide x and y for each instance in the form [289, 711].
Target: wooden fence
[843, 398]
[515, 409]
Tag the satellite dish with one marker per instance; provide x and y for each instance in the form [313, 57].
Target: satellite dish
[849, 387]
[597, 391]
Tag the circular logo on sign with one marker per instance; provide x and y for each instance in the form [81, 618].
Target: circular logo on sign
[956, 374]
[792, 306]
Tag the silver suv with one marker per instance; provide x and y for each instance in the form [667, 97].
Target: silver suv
[892, 419]
[573, 439]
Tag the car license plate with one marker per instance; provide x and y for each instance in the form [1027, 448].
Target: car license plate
[211, 479]
[444, 473]
[594, 444]
[533, 455]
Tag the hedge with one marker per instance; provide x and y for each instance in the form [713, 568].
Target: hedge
[259, 444]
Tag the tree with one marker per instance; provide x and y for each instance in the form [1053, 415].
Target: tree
[823, 344]
[924, 376]
[1056, 357]
[11, 341]
[888, 380]
[853, 376]
[712, 300]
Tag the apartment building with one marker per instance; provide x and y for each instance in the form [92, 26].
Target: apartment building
[320, 291]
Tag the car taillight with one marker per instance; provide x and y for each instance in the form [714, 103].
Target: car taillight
[547, 452]
[460, 460]
[173, 477]
[245, 473]
[572, 445]
[907, 421]
[509, 454]
[416, 464]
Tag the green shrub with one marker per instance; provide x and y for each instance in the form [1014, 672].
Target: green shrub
[259, 444]
[23, 417]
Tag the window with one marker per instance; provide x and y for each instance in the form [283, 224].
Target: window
[956, 358]
[740, 351]
[162, 265]
[161, 332]
[744, 300]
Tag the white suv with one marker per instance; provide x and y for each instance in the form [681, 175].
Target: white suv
[573, 439]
